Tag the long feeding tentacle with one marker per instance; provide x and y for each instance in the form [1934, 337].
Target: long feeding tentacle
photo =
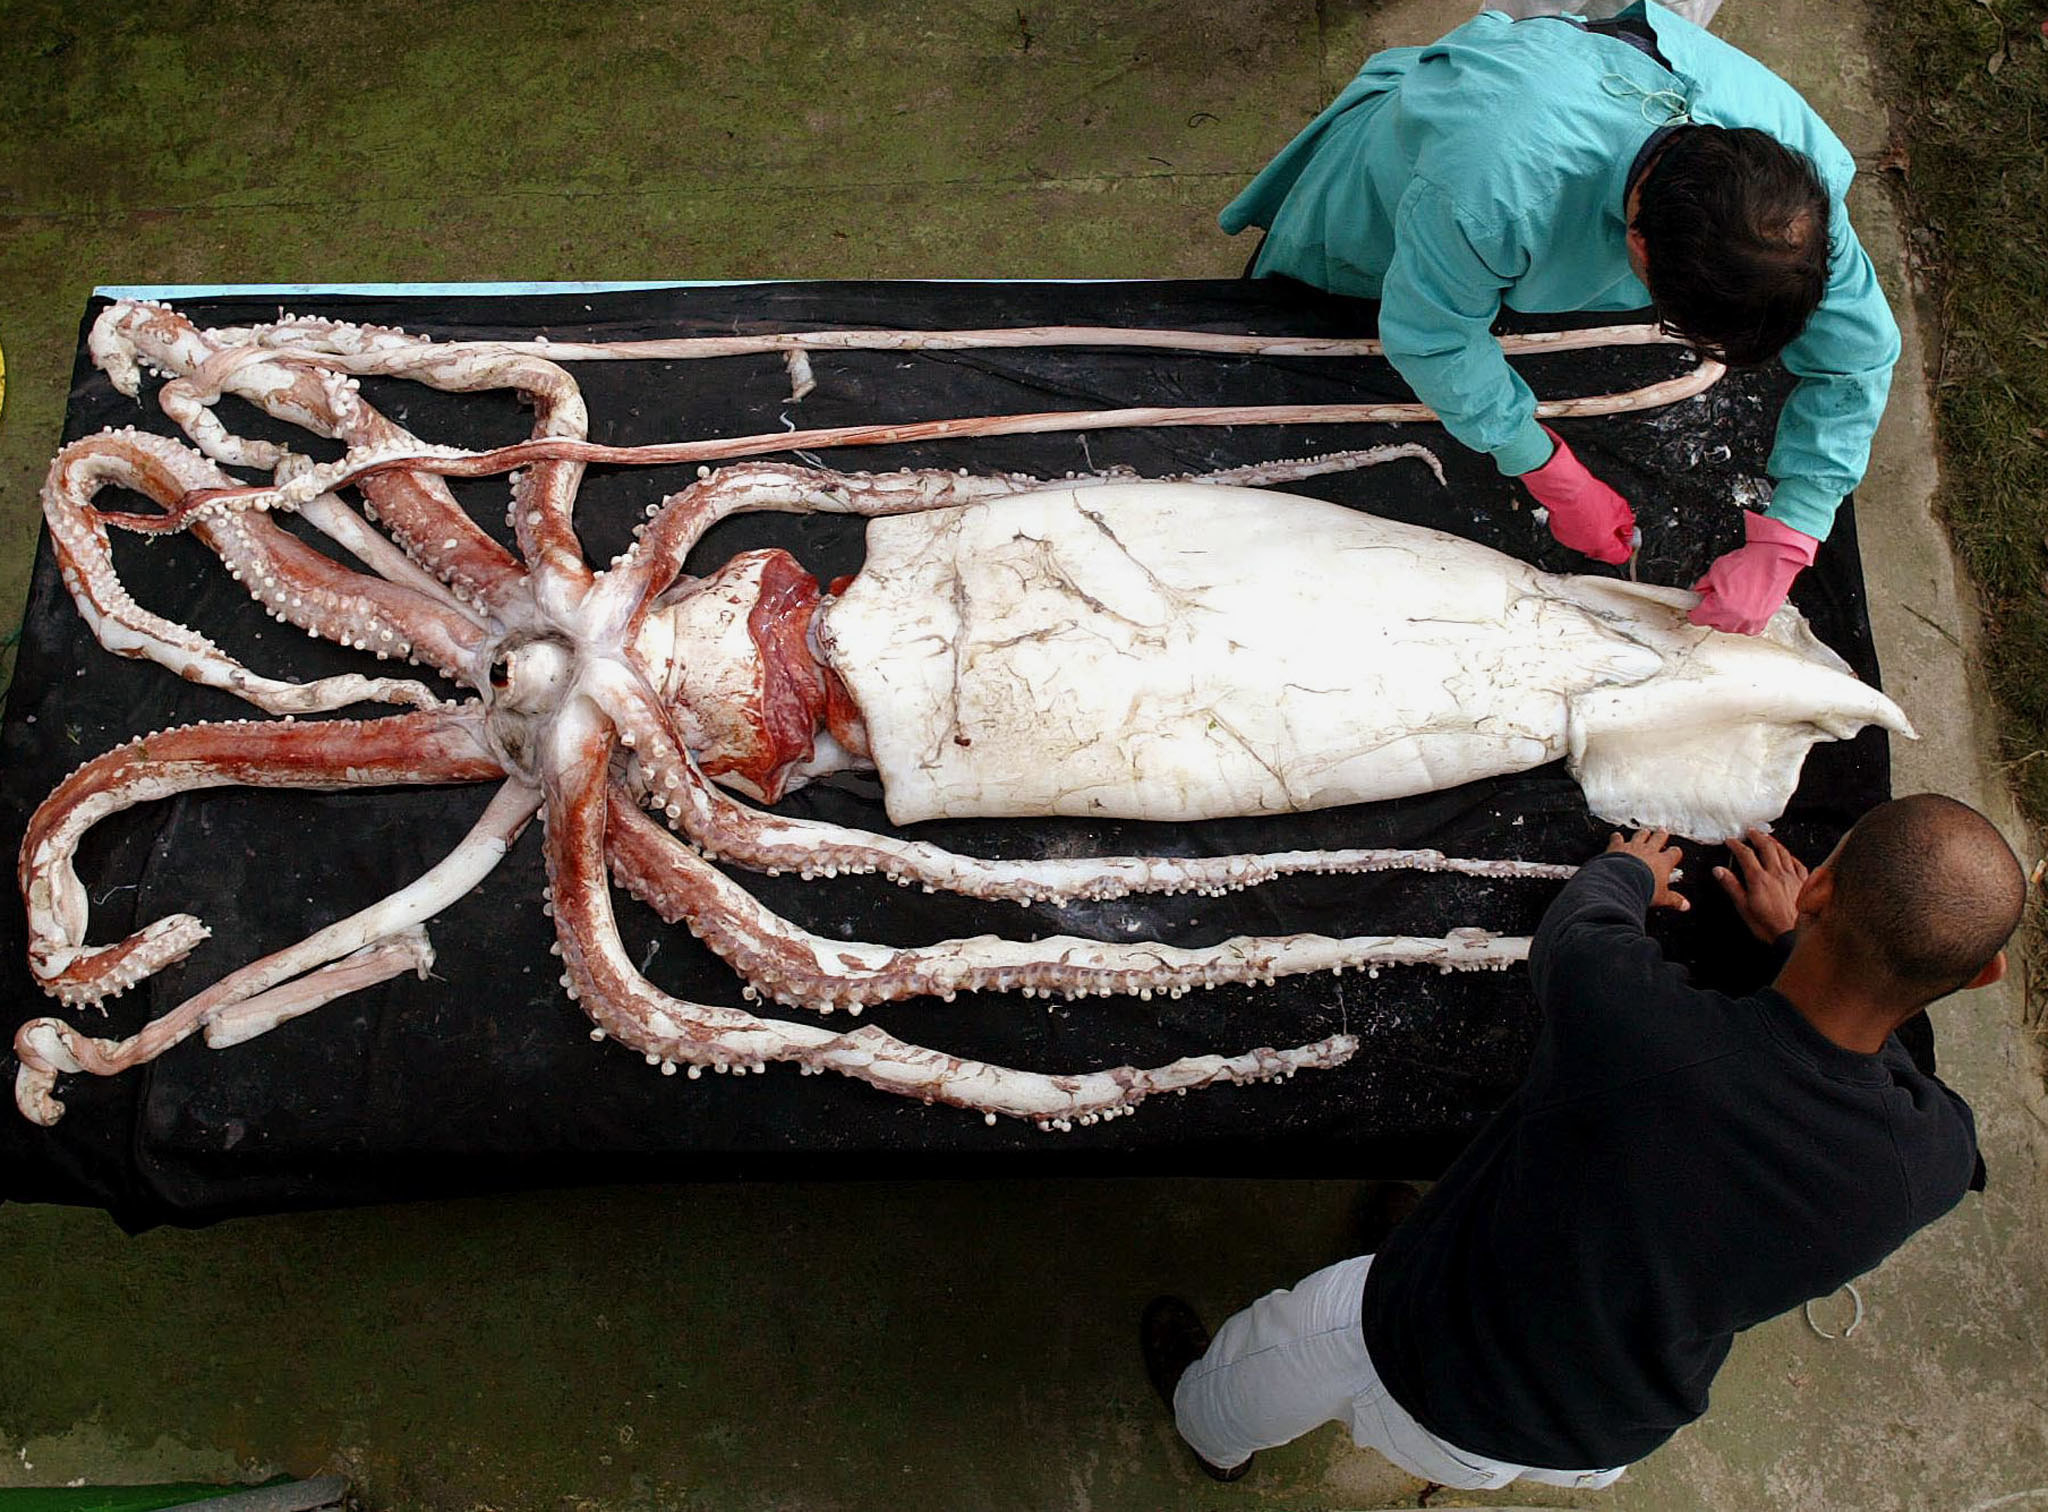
[453, 462]
[127, 328]
[368, 349]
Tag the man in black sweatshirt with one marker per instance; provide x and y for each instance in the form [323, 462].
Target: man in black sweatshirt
[1677, 1166]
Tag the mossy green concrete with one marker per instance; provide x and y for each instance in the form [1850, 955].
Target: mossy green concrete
[720, 1346]
[857, 1346]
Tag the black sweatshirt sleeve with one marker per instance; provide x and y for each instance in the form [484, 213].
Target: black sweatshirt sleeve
[1611, 1000]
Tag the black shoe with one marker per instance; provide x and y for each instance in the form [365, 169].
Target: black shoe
[1171, 1337]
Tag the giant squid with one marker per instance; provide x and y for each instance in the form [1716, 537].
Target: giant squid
[1097, 646]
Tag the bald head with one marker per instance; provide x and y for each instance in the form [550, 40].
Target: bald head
[1926, 893]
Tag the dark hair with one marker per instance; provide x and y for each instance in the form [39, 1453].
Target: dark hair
[1926, 892]
[1735, 232]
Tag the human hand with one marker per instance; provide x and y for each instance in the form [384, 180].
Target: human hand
[1585, 514]
[1654, 849]
[1743, 589]
[1765, 885]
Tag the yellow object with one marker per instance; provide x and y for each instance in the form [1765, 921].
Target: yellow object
[3, 380]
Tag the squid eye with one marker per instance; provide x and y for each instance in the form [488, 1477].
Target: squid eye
[501, 674]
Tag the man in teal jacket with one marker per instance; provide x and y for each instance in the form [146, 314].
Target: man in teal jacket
[1551, 165]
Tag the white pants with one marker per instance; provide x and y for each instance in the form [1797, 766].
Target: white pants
[1295, 1360]
[1698, 12]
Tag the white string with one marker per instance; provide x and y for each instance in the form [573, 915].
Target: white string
[1854, 1323]
[1676, 107]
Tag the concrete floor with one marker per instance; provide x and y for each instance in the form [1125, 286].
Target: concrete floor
[874, 1346]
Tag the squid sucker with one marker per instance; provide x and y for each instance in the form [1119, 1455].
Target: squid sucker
[1099, 647]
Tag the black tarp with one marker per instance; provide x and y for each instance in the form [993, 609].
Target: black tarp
[485, 1076]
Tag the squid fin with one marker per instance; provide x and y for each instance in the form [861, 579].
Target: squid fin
[1714, 745]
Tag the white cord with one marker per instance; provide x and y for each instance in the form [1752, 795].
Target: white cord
[1854, 1323]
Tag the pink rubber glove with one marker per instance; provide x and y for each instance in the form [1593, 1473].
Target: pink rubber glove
[1585, 514]
[1743, 589]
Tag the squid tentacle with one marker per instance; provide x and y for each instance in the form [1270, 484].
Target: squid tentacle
[676, 523]
[727, 830]
[670, 1032]
[801, 969]
[418, 508]
[46, 1048]
[128, 331]
[452, 462]
[371, 945]
[350, 531]
[543, 498]
[365, 343]
[542, 511]
[251, 1001]
[393, 953]
[294, 581]
[441, 745]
